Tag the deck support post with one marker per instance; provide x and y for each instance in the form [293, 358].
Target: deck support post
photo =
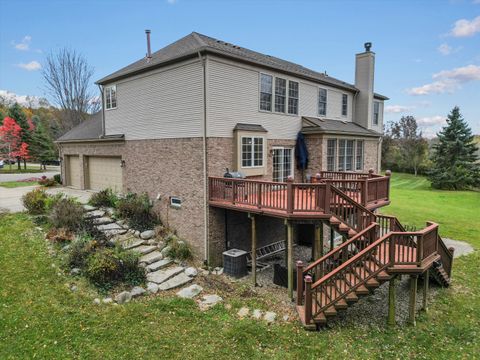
[391, 301]
[254, 248]
[426, 280]
[290, 258]
[332, 239]
[318, 246]
[413, 299]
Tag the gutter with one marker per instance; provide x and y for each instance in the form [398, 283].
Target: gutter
[100, 87]
[90, 140]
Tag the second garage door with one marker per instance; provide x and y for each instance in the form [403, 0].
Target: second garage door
[104, 172]
[73, 171]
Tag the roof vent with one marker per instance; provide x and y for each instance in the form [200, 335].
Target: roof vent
[368, 46]
[149, 50]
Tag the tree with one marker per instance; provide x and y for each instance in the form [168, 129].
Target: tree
[455, 162]
[10, 136]
[16, 112]
[67, 75]
[405, 144]
[42, 148]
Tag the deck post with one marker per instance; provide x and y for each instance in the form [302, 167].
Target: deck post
[426, 280]
[300, 268]
[413, 299]
[391, 301]
[332, 239]
[318, 246]
[290, 258]
[308, 299]
[290, 195]
[254, 248]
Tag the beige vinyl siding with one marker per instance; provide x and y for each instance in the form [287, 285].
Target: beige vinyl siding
[104, 172]
[163, 103]
[233, 97]
[73, 171]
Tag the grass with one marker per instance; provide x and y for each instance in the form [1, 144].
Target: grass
[14, 184]
[15, 170]
[414, 202]
[41, 318]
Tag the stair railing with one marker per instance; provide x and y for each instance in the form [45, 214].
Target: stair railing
[446, 256]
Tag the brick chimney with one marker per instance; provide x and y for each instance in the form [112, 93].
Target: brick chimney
[364, 81]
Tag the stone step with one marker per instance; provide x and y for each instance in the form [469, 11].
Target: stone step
[102, 220]
[89, 208]
[111, 226]
[132, 243]
[159, 265]
[145, 249]
[111, 233]
[94, 214]
[176, 281]
[161, 276]
[151, 257]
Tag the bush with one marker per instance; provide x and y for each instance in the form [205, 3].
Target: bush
[44, 181]
[80, 249]
[177, 249]
[107, 267]
[104, 197]
[59, 235]
[35, 201]
[57, 178]
[137, 210]
[67, 213]
[52, 200]
[88, 228]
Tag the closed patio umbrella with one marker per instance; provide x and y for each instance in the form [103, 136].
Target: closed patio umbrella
[301, 154]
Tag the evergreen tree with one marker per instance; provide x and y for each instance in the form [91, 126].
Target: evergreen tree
[41, 147]
[455, 163]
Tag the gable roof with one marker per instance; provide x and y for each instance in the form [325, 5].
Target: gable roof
[195, 43]
[312, 125]
[88, 130]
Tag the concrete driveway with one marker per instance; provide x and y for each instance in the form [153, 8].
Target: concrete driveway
[11, 199]
[23, 176]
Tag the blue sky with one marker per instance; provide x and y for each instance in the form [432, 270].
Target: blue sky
[428, 52]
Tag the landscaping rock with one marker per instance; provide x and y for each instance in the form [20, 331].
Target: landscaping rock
[131, 243]
[243, 312]
[257, 314]
[270, 317]
[147, 234]
[190, 292]
[66, 248]
[152, 288]
[137, 233]
[107, 300]
[151, 257]
[160, 276]
[94, 214]
[102, 220]
[145, 249]
[111, 226]
[151, 242]
[191, 271]
[165, 250]
[286, 318]
[74, 288]
[89, 207]
[110, 211]
[112, 233]
[174, 282]
[96, 301]
[209, 301]
[75, 271]
[218, 271]
[123, 297]
[137, 291]
[158, 265]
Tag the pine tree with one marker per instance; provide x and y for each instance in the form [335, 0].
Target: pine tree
[455, 163]
[42, 148]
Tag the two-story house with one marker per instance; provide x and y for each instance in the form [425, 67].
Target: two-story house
[181, 115]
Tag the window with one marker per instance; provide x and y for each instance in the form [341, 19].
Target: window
[331, 154]
[266, 92]
[280, 94]
[359, 155]
[344, 104]
[282, 163]
[293, 97]
[376, 112]
[252, 151]
[111, 97]
[175, 202]
[322, 102]
[345, 155]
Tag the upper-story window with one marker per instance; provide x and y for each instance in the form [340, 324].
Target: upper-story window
[111, 97]
[376, 112]
[293, 97]
[344, 104]
[266, 92]
[280, 94]
[252, 151]
[322, 102]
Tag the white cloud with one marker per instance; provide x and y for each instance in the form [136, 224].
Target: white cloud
[396, 109]
[26, 100]
[445, 49]
[447, 81]
[466, 28]
[24, 45]
[31, 66]
[431, 120]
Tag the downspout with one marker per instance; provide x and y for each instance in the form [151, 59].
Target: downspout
[100, 87]
[205, 213]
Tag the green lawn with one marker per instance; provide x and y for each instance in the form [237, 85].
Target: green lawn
[14, 184]
[41, 318]
[414, 202]
[29, 169]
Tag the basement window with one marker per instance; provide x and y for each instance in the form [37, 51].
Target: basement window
[175, 202]
[111, 97]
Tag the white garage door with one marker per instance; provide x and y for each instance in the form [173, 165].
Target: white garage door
[104, 172]
[73, 171]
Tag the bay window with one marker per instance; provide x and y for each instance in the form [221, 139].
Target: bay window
[252, 151]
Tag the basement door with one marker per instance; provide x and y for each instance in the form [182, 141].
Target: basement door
[282, 163]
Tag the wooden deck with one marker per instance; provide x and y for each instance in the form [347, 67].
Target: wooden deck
[298, 200]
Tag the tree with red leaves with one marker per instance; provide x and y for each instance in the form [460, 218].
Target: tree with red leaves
[10, 139]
